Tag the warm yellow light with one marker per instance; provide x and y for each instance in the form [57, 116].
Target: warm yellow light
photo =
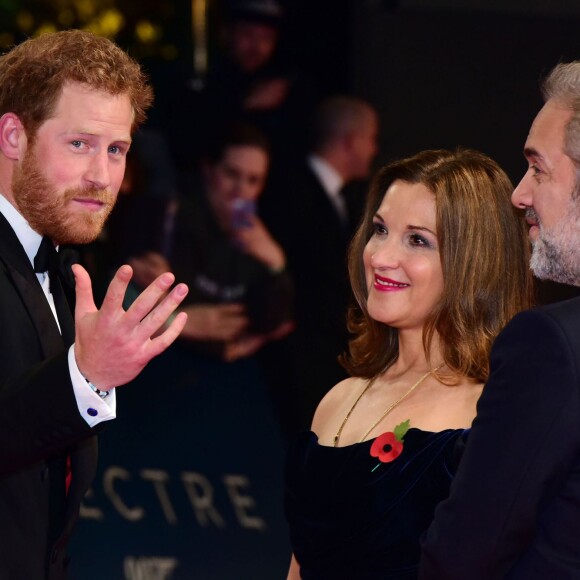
[111, 21]
[45, 28]
[199, 30]
[147, 33]
[85, 9]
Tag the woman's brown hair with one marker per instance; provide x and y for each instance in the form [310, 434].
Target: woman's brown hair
[484, 253]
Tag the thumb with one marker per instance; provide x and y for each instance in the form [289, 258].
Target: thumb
[83, 291]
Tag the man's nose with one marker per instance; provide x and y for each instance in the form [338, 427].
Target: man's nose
[522, 196]
[98, 174]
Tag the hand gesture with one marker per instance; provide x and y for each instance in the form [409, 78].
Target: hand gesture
[256, 241]
[249, 344]
[113, 346]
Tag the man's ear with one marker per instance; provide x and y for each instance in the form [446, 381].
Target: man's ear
[13, 140]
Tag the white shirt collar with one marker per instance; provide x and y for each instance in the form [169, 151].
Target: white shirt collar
[331, 180]
[29, 239]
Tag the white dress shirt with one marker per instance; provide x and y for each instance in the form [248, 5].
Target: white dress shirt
[86, 398]
[331, 182]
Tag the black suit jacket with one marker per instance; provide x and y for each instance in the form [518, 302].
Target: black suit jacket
[39, 426]
[514, 506]
[302, 218]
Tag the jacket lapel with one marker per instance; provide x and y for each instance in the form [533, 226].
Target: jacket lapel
[18, 267]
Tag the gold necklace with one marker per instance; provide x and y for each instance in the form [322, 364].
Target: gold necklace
[391, 407]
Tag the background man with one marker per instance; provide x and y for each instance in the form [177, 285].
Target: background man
[314, 221]
[68, 104]
[514, 508]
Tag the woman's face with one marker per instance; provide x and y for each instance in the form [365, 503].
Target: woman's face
[402, 263]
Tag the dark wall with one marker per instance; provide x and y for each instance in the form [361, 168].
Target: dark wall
[448, 78]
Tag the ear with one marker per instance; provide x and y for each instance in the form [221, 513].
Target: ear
[13, 140]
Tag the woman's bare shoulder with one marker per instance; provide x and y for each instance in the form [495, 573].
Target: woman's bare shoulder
[334, 402]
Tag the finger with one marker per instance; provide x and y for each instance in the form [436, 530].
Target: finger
[159, 315]
[115, 295]
[84, 291]
[147, 300]
[166, 338]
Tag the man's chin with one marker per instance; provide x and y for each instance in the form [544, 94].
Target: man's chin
[78, 232]
[546, 268]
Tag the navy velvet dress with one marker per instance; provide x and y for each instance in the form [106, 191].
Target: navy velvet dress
[350, 522]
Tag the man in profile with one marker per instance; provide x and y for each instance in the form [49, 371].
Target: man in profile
[69, 102]
[514, 506]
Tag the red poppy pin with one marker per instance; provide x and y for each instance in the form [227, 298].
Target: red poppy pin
[388, 446]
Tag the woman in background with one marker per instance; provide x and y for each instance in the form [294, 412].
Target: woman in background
[438, 266]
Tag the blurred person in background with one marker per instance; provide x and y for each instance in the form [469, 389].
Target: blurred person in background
[249, 80]
[312, 218]
[240, 292]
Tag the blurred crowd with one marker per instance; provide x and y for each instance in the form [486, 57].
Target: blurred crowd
[250, 194]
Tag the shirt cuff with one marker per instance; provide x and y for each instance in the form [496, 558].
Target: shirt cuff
[93, 409]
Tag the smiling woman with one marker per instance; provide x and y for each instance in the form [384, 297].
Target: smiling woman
[438, 266]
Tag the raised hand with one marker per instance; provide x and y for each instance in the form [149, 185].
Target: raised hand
[257, 241]
[112, 345]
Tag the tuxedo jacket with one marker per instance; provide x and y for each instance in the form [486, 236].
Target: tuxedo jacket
[40, 427]
[514, 506]
[303, 219]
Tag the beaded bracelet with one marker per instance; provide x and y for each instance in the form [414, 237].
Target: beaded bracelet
[101, 394]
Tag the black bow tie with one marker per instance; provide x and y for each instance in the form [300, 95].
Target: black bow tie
[47, 259]
[60, 275]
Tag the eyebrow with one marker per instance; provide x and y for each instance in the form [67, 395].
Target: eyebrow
[531, 152]
[85, 133]
[421, 229]
[411, 226]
